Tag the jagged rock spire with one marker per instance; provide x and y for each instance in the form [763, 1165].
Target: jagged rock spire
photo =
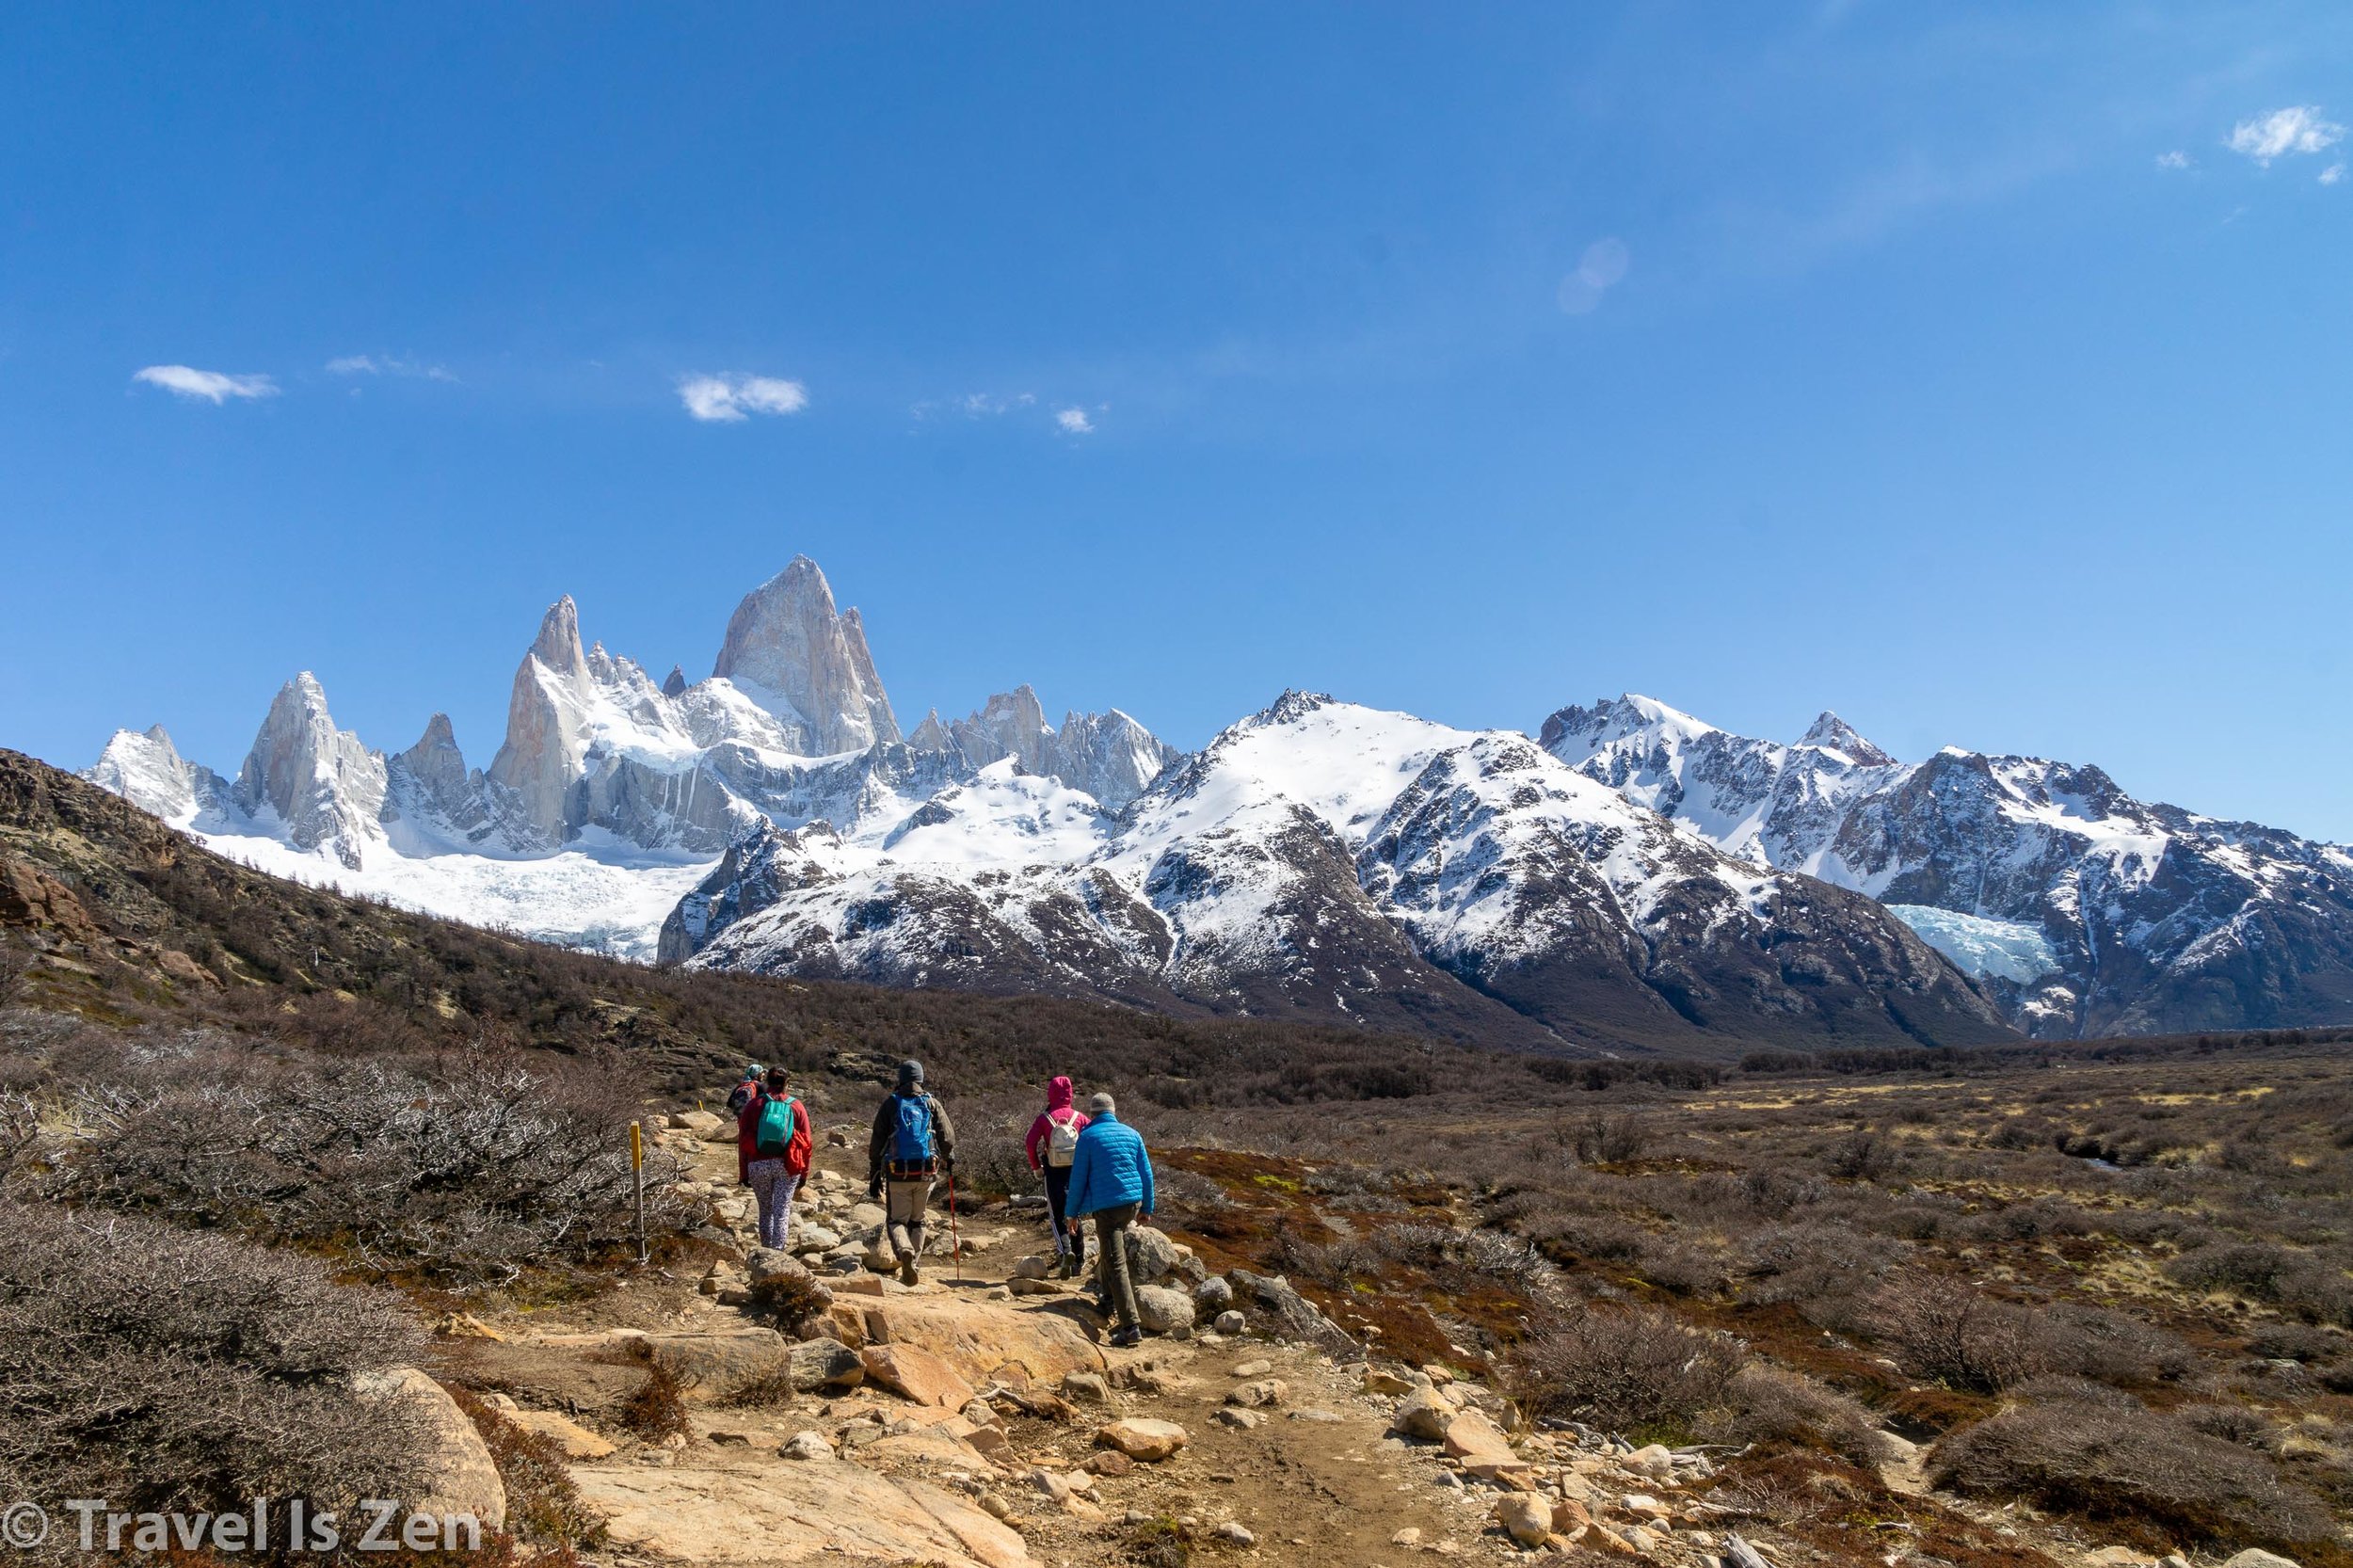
[789, 650]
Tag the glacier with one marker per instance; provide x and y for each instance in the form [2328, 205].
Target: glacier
[2006, 950]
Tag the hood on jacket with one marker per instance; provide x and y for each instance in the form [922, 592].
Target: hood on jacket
[1058, 1095]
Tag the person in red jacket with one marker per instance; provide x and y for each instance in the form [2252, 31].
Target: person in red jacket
[773, 1142]
[1053, 1140]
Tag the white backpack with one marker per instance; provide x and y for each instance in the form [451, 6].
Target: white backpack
[1062, 1141]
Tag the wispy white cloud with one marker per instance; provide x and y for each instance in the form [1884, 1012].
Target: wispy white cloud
[2333, 173]
[211, 386]
[728, 399]
[974, 404]
[2299, 129]
[385, 364]
[1604, 263]
[2176, 159]
[1074, 422]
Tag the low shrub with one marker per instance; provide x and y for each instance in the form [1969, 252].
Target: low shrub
[1599, 1140]
[542, 1503]
[463, 1171]
[2113, 1459]
[166, 1370]
[1942, 1330]
[1629, 1371]
[1769, 1406]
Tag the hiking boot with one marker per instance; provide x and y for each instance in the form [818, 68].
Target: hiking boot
[1069, 1266]
[1126, 1338]
[907, 1274]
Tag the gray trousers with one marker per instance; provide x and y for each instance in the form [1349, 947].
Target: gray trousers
[1111, 1261]
[910, 1207]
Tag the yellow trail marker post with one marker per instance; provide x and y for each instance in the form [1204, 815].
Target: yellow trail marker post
[637, 1171]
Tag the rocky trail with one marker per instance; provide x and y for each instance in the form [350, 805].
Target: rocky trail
[824, 1412]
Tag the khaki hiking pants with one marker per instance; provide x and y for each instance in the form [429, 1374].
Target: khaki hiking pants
[909, 1210]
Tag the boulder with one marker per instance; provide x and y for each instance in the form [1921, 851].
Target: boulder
[1152, 1256]
[700, 1123]
[721, 1364]
[1379, 1381]
[1142, 1439]
[778, 1279]
[1231, 1322]
[1295, 1317]
[1253, 1396]
[459, 1475]
[815, 1238]
[1242, 1420]
[1526, 1520]
[1425, 1413]
[2254, 1557]
[1087, 1387]
[916, 1374]
[1473, 1439]
[1213, 1295]
[984, 1340]
[1162, 1310]
[820, 1364]
[808, 1445]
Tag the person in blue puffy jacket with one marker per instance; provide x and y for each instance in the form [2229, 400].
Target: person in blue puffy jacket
[1111, 1178]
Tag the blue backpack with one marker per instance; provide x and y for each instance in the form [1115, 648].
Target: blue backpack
[774, 1133]
[912, 1143]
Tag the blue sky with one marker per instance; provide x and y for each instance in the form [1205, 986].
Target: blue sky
[1979, 373]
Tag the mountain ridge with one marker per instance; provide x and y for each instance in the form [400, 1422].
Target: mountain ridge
[1633, 878]
[2155, 918]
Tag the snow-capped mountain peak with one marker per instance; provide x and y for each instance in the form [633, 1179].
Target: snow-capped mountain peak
[321, 782]
[2085, 910]
[789, 650]
[1832, 733]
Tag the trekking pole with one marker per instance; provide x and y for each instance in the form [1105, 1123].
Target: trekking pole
[637, 1172]
[955, 1243]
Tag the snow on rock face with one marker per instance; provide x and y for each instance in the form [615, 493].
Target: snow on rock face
[144, 768]
[321, 782]
[806, 664]
[2153, 919]
[1107, 755]
[1325, 860]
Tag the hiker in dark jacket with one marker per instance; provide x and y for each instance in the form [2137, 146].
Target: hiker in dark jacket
[742, 1094]
[1052, 1146]
[773, 1142]
[913, 1143]
[1112, 1179]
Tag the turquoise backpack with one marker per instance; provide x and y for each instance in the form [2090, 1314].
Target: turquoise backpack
[774, 1134]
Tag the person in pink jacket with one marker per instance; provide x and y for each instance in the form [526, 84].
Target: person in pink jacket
[1053, 1143]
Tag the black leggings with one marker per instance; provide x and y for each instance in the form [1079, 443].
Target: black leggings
[1057, 1193]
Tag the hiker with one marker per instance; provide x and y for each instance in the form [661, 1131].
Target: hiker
[1110, 1177]
[773, 1142]
[742, 1094]
[1053, 1143]
[913, 1143]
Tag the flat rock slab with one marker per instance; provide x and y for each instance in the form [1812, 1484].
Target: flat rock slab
[984, 1340]
[803, 1510]
[576, 1441]
[916, 1374]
